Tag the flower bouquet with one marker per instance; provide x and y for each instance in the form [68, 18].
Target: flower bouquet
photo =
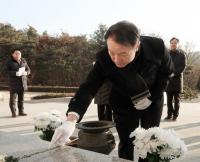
[5, 158]
[47, 123]
[157, 144]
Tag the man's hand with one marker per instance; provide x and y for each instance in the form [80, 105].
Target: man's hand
[143, 104]
[62, 134]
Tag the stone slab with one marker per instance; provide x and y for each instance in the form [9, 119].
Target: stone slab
[33, 149]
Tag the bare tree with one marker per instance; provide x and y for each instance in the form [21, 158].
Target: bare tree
[192, 57]
[192, 70]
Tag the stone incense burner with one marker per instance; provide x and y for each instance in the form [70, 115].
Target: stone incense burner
[96, 136]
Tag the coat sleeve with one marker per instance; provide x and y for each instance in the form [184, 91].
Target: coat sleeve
[166, 71]
[181, 68]
[9, 70]
[87, 90]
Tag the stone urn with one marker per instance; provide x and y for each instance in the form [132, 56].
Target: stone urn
[96, 136]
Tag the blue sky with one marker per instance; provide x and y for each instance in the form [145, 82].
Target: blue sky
[167, 18]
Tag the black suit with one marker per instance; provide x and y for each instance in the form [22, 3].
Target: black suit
[175, 85]
[146, 75]
[17, 84]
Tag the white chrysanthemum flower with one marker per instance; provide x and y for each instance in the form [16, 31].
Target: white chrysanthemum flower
[55, 112]
[139, 144]
[153, 145]
[169, 153]
[42, 120]
[2, 158]
[157, 141]
[55, 122]
[141, 152]
[139, 133]
[47, 121]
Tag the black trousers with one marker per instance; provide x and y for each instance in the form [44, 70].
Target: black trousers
[104, 112]
[13, 100]
[173, 109]
[147, 118]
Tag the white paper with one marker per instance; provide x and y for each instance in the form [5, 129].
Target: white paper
[21, 70]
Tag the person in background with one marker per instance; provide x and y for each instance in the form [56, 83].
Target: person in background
[138, 68]
[175, 85]
[17, 69]
[102, 101]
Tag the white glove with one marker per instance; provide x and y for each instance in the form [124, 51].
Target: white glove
[24, 73]
[143, 104]
[18, 73]
[62, 134]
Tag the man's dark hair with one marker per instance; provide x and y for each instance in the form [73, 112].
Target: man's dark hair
[174, 38]
[123, 32]
[14, 49]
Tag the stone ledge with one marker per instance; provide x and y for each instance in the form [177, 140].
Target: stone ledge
[31, 148]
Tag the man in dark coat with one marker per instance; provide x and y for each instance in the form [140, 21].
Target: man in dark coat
[138, 68]
[102, 100]
[18, 70]
[175, 85]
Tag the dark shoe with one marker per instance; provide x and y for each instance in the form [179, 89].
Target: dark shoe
[22, 114]
[174, 118]
[168, 118]
[14, 115]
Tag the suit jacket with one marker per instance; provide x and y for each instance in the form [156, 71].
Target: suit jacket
[175, 84]
[145, 76]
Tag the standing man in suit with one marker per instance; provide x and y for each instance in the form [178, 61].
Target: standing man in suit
[175, 85]
[18, 70]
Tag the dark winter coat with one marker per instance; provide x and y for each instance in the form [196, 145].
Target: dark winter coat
[175, 84]
[146, 75]
[17, 83]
